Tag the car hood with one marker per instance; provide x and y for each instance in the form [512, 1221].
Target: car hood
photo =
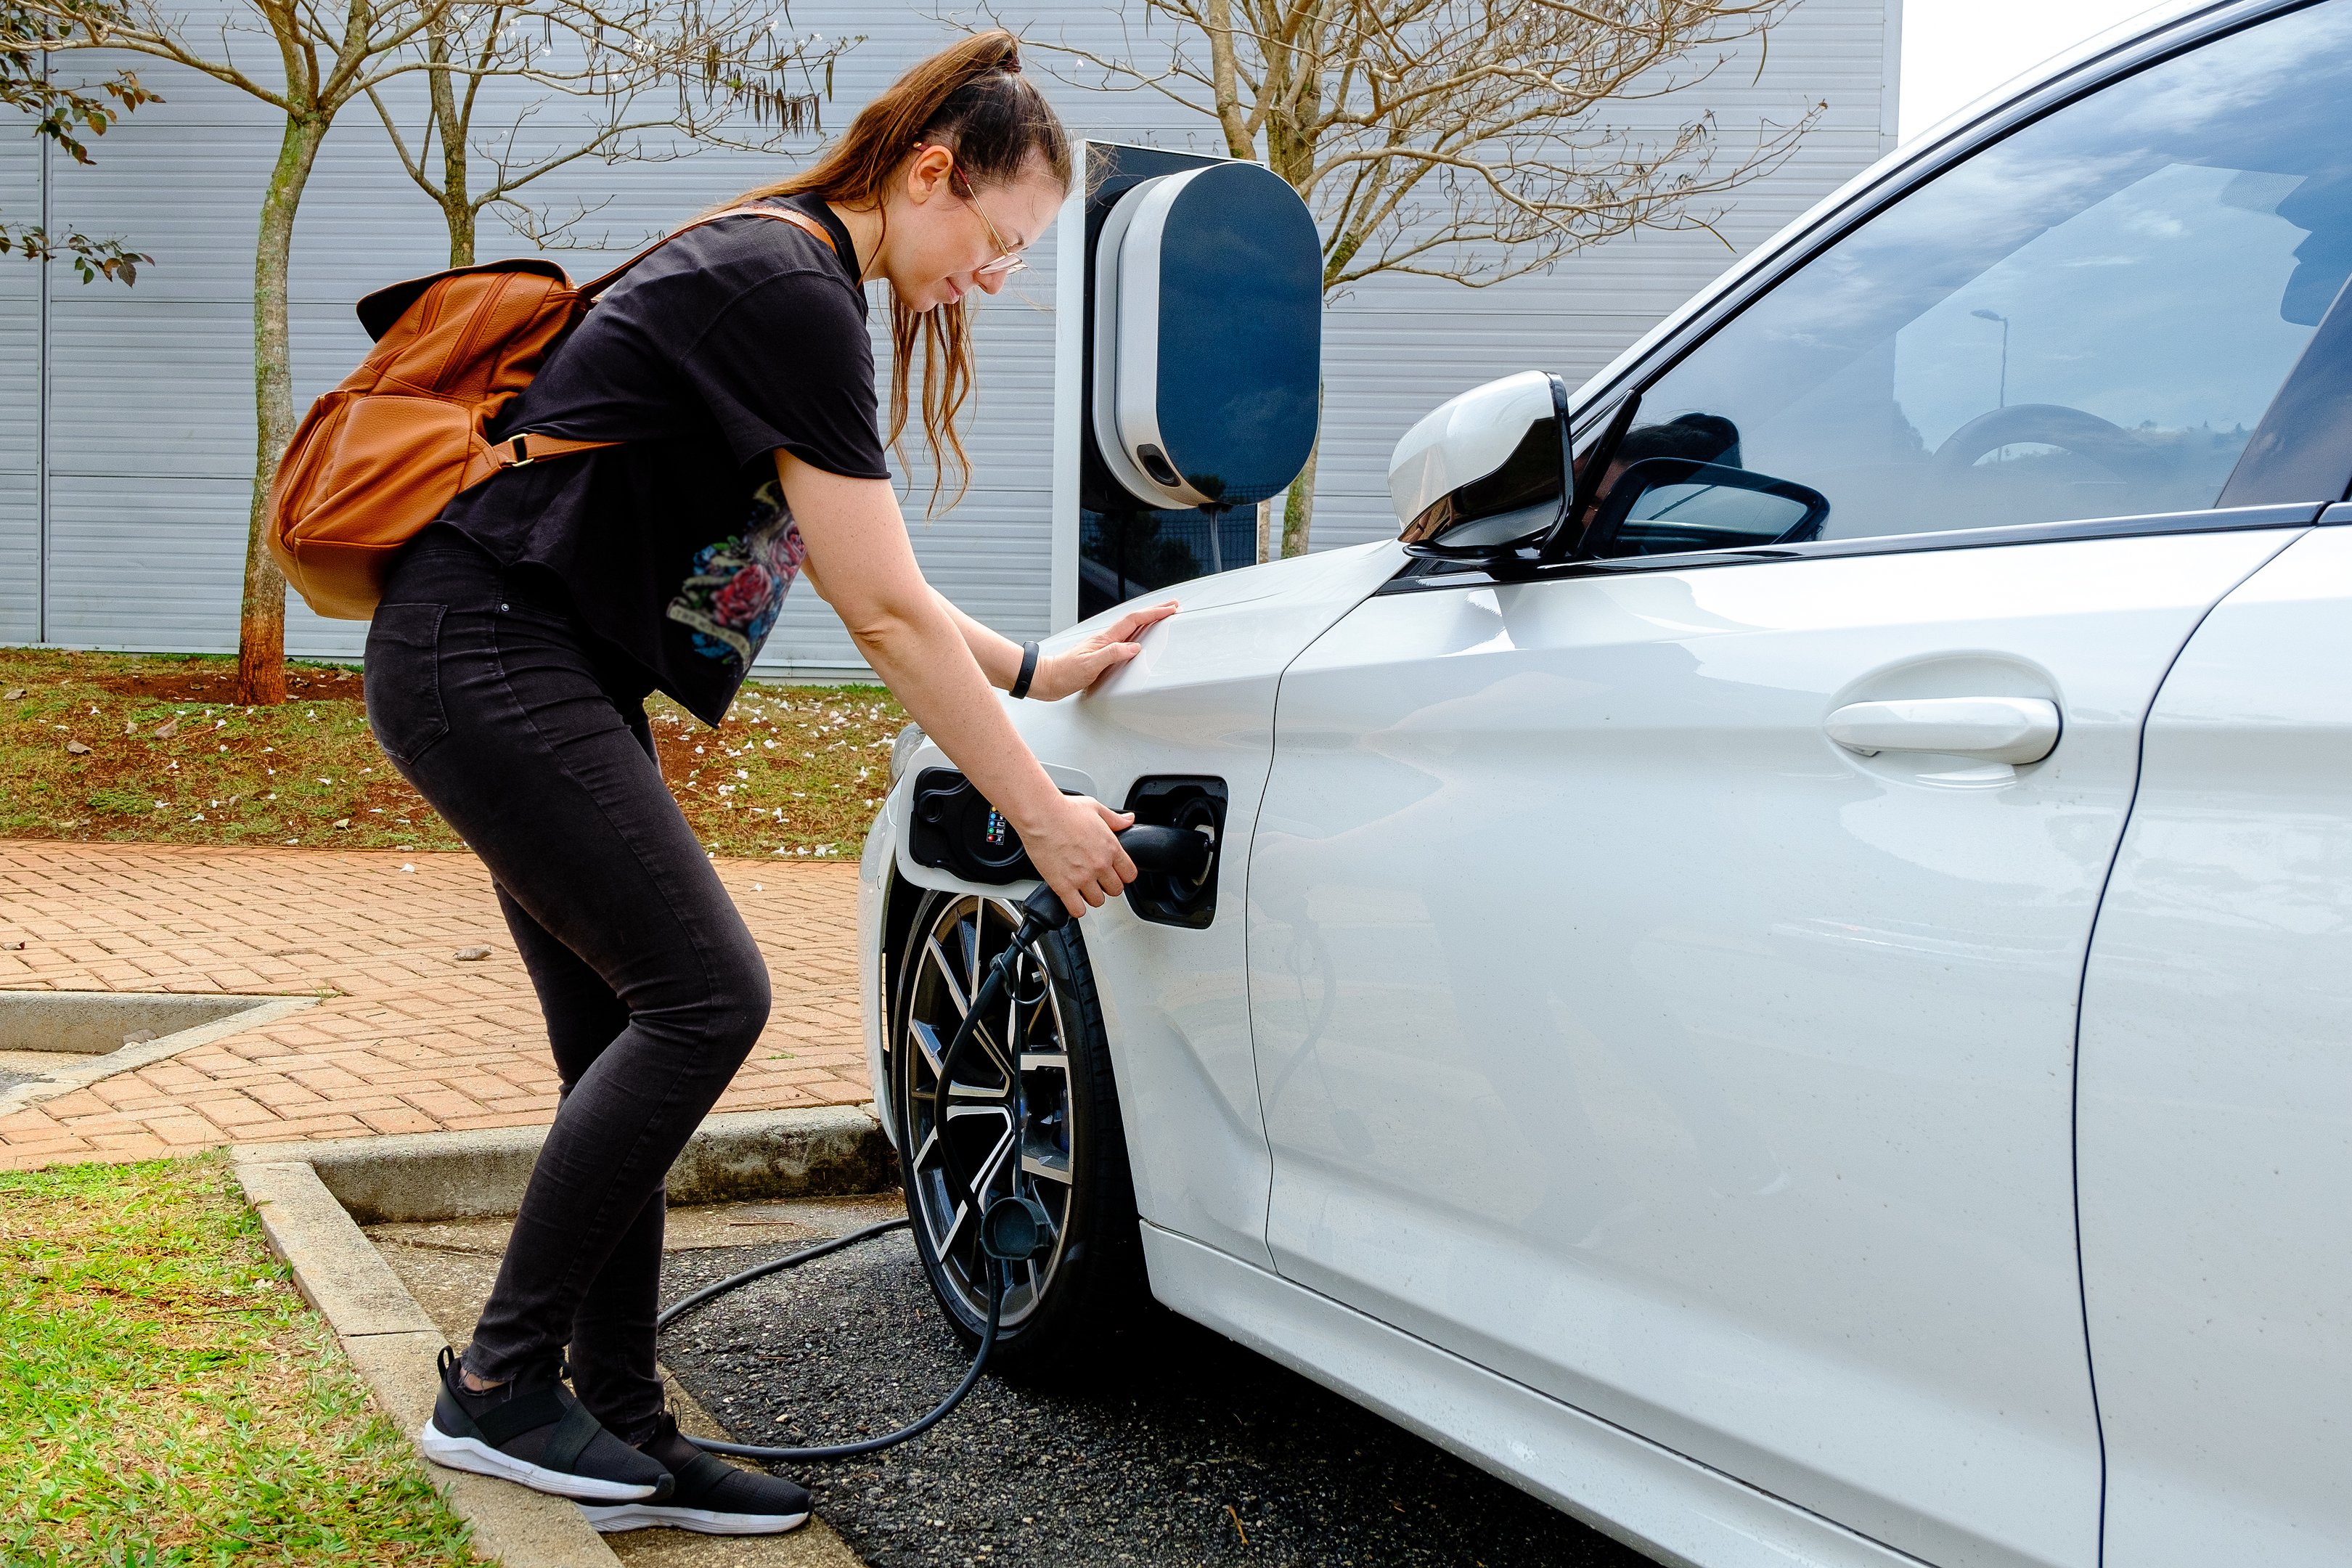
[1301, 581]
[1198, 699]
[1252, 621]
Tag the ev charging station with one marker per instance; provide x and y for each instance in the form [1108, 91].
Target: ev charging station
[1187, 355]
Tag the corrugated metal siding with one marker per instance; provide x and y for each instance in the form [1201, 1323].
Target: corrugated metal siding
[151, 424]
[20, 402]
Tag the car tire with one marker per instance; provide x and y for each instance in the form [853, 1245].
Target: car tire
[1070, 1154]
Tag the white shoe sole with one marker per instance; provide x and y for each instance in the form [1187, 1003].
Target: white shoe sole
[474, 1455]
[649, 1515]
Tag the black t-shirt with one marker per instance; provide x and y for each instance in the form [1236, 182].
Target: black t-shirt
[740, 337]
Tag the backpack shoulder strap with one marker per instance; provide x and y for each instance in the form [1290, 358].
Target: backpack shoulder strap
[802, 221]
[525, 448]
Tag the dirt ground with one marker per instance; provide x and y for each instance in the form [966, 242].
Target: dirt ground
[1182, 1451]
[147, 748]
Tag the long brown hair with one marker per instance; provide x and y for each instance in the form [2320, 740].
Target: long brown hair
[971, 98]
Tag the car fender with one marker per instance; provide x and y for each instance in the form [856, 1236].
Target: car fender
[1199, 698]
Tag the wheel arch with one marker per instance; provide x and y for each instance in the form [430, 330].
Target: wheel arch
[900, 899]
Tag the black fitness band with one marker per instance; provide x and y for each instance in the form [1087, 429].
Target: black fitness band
[1028, 669]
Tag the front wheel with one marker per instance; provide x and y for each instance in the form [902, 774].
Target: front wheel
[1031, 1110]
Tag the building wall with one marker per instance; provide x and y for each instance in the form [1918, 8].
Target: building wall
[20, 403]
[129, 412]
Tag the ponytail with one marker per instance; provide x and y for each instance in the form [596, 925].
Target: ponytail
[971, 98]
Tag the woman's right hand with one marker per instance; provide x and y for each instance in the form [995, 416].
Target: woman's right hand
[858, 543]
[1070, 842]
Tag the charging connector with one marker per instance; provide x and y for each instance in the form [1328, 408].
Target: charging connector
[1186, 803]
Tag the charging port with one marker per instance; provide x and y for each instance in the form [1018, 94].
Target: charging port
[1194, 804]
[955, 829]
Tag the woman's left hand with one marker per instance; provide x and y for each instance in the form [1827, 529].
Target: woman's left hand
[1090, 660]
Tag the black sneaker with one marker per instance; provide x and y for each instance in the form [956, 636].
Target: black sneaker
[534, 1430]
[712, 1496]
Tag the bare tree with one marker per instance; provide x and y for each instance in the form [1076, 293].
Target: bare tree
[320, 56]
[1471, 139]
[629, 83]
[63, 115]
[310, 59]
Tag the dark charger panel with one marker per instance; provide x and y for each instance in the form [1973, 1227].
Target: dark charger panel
[955, 829]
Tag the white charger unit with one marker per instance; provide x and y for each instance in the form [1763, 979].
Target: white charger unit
[1207, 337]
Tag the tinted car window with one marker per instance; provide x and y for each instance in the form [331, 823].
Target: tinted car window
[2085, 320]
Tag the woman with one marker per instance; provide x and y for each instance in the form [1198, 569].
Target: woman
[519, 636]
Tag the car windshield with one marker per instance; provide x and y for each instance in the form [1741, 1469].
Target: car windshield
[2085, 320]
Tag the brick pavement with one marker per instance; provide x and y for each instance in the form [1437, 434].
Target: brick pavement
[406, 1038]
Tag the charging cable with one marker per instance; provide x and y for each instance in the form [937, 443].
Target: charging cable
[1013, 1229]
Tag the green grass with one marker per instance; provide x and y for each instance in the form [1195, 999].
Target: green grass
[166, 1398]
[795, 769]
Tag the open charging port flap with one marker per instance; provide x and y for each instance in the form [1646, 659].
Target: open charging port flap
[1183, 801]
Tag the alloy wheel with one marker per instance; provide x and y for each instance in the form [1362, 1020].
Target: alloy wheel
[1006, 1118]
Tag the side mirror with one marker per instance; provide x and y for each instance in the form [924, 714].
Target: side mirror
[1659, 506]
[1487, 472]
[1208, 337]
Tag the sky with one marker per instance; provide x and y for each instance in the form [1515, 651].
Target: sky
[1954, 52]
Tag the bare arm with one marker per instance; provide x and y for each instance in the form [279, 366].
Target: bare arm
[861, 561]
[998, 656]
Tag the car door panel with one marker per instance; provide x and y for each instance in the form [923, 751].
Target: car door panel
[2216, 1094]
[1620, 1031]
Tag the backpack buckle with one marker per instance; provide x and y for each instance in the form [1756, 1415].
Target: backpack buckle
[522, 457]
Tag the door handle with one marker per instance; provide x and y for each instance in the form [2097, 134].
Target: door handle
[2000, 729]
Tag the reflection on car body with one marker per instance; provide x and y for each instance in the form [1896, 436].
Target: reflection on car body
[1918, 1135]
[2085, 320]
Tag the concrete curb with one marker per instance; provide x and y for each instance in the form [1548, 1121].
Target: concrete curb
[312, 1197]
[735, 1156]
[394, 1345]
[93, 1023]
[88, 1068]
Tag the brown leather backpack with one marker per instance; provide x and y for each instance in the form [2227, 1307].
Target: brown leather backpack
[383, 455]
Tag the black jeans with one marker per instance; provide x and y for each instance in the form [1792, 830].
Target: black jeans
[493, 700]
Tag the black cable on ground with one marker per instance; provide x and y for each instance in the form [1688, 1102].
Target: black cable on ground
[1011, 1229]
[766, 1454]
[776, 1264]
[999, 1278]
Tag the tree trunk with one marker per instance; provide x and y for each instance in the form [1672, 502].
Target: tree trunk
[1290, 152]
[261, 614]
[1298, 517]
[459, 216]
[1298, 507]
[1224, 83]
[451, 123]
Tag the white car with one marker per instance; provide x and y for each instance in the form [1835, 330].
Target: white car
[1778, 970]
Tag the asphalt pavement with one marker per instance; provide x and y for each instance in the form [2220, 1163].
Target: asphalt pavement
[1184, 1450]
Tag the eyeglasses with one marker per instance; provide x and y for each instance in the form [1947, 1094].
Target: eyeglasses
[1008, 261]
